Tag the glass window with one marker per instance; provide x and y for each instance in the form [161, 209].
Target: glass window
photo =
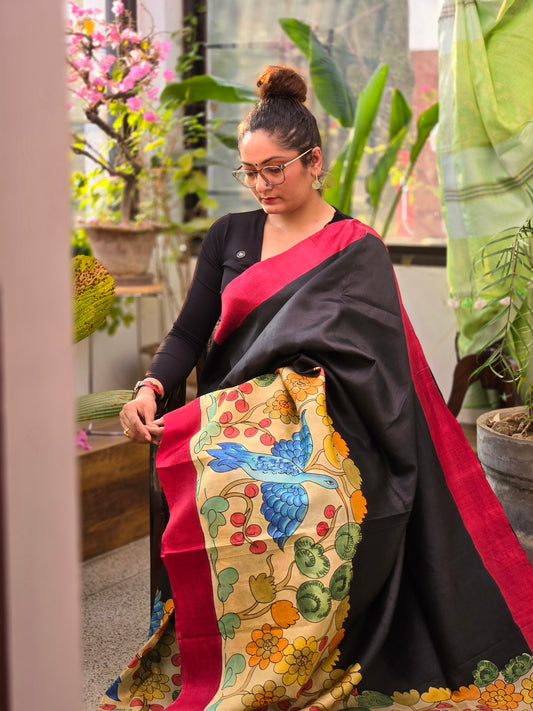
[243, 39]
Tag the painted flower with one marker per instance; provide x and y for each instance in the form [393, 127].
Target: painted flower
[501, 696]
[263, 696]
[406, 698]
[298, 661]
[263, 587]
[358, 504]
[527, 690]
[322, 411]
[284, 613]
[435, 694]
[281, 407]
[151, 686]
[341, 683]
[466, 693]
[301, 386]
[329, 663]
[334, 445]
[266, 646]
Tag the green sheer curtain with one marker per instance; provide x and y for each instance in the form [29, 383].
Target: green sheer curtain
[485, 148]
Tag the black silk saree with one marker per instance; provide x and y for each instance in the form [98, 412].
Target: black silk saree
[332, 541]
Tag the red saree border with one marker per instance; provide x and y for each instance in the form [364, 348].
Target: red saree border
[487, 524]
[263, 279]
[188, 565]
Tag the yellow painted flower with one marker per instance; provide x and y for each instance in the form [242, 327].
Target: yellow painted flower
[337, 639]
[262, 696]
[347, 682]
[263, 587]
[266, 646]
[466, 693]
[151, 686]
[527, 690]
[352, 472]
[501, 696]
[298, 661]
[331, 451]
[284, 613]
[406, 698]
[301, 386]
[342, 612]
[358, 504]
[322, 411]
[281, 407]
[434, 694]
[329, 663]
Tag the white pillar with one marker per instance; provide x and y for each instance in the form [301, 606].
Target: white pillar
[39, 486]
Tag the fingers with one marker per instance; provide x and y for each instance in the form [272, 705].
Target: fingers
[133, 417]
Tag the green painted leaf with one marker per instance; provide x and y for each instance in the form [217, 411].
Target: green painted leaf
[227, 625]
[347, 539]
[310, 558]
[213, 511]
[373, 700]
[313, 600]
[212, 407]
[339, 585]
[235, 666]
[265, 380]
[226, 580]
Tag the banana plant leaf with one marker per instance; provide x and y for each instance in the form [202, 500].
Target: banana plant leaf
[400, 118]
[340, 195]
[206, 88]
[329, 85]
[427, 120]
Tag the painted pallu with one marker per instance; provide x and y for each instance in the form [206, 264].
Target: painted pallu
[332, 542]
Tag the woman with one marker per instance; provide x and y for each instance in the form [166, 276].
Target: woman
[332, 542]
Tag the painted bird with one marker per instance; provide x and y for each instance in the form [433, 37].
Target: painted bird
[282, 472]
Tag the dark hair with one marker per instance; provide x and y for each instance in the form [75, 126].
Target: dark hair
[281, 110]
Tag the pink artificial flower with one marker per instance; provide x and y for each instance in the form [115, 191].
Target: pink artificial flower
[163, 48]
[134, 104]
[127, 83]
[138, 71]
[117, 8]
[107, 62]
[150, 117]
[82, 441]
[153, 93]
[168, 74]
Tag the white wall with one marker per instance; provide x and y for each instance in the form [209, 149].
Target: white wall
[39, 483]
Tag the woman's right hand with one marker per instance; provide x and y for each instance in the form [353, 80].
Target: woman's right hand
[137, 418]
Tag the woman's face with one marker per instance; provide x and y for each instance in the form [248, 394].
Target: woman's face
[258, 149]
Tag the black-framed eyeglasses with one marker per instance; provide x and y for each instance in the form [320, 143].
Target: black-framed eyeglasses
[271, 174]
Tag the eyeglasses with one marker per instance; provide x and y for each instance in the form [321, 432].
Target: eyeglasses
[271, 174]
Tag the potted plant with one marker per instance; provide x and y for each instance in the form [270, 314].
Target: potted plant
[505, 436]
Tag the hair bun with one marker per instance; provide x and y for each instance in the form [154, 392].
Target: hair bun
[280, 81]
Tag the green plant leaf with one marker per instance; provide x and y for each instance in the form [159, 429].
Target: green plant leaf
[98, 406]
[206, 88]
[427, 121]
[365, 115]
[329, 85]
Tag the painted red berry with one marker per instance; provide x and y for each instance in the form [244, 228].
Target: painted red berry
[232, 395]
[237, 539]
[221, 398]
[251, 490]
[176, 659]
[266, 422]
[250, 431]
[322, 643]
[258, 547]
[253, 530]
[231, 432]
[329, 511]
[322, 528]
[237, 519]
[242, 406]
[246, 388]
[225, 417]
[267, 439]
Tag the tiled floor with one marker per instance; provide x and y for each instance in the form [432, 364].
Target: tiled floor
[115, 614]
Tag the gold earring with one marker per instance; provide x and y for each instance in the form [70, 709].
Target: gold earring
[316, 184]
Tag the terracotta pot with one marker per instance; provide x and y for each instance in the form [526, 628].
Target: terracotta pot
[124, 250]
[508, 466]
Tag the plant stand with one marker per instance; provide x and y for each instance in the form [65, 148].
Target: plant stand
[508, 466]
